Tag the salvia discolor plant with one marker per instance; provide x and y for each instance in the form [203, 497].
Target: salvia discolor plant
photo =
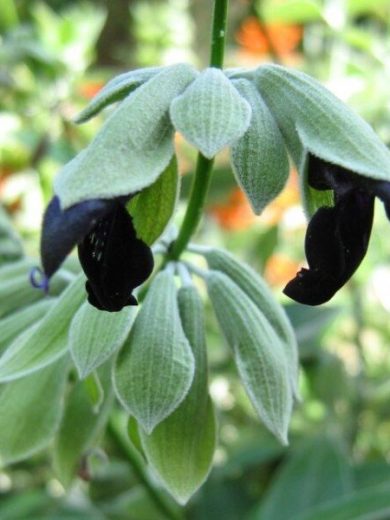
[114, 202]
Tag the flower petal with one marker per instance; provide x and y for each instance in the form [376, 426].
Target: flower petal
[336, 242]
[62, 230]
[114, 260]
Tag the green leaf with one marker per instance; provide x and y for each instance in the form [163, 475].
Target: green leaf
[290, 11]
[255, 287]
[30, 412]
[315, 473]
[115, 90]
[47, 341]
[259, 354]
[15, 323]
[180, 449]
[155, 368]
[80, 426]
[210, 113]
[259, 157]
[95, 335]
[311, 118]
[132, 149]
[153, 207]
[370, 504]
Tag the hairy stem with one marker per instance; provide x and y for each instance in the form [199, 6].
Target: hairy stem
[203, 166]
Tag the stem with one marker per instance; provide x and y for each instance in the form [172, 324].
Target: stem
[203, 166]
[134, 459]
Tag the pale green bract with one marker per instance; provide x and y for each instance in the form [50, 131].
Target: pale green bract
[155, 368]
[258, 353]
[259, 157]
[210, 113]
[115, 90]
[180, 449]
[313, 119]
[95, 335]
[132, 149]
[261, 295]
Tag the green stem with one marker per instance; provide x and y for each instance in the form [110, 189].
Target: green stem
[134, 459]
[203, 166]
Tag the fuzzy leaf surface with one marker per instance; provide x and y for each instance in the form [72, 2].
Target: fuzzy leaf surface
[312, 118]
[258, 291]
[210, 113]
[95, 335]
[180, 449]
[153, 208]
[115, 90]
[259, 157]
[48, 339]
[133, 147]
[258, 353]
[30, 412]
[155, 368]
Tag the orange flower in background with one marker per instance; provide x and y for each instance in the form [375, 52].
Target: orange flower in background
[235, 214]
[280, 269]
[256, 39]
[287, 198]
[89, 89]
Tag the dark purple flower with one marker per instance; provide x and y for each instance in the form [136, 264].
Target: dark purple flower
[337, 237]
[114, 260]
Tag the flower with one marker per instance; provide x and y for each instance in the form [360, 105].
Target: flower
[337, 237]
[114, 260]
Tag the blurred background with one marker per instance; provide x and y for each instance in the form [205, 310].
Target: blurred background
[55, 55]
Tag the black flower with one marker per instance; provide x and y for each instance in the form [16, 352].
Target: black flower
[114, 260]
[337, 237]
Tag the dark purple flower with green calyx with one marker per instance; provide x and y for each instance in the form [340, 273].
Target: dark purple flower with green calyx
[337, 237]
[114, 260]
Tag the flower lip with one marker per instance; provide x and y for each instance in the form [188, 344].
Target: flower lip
[337, 237]
[114, 260]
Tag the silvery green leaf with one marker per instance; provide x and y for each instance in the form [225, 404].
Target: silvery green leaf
[210, 113]
[155, 368]
[48, 340]
[30, 412]
[115, 90]
[13, 324]
[15, 269]
[311, 118]
[259, 157]
[153, 208]
[80, 425]
[95, 335]
[16, 290]
[132, 149]
[180, 449]
[258, 353]
[255, 287]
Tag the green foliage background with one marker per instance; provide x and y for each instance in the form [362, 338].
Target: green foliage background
[53, 56]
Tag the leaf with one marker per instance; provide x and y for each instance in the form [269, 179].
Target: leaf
[12, 325]
[15, 269]
[80, 426]
[259, 157]
[153, 208]
[258, 353]
[115, 90]
[95, 335]
[311, 117]
[210, 113]
[370, 504]
[155, 368]
[49, 339]
[179, 453]
[133, 147]
[316, 472]
[255, 287]
[291, 11]
[30, 412]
